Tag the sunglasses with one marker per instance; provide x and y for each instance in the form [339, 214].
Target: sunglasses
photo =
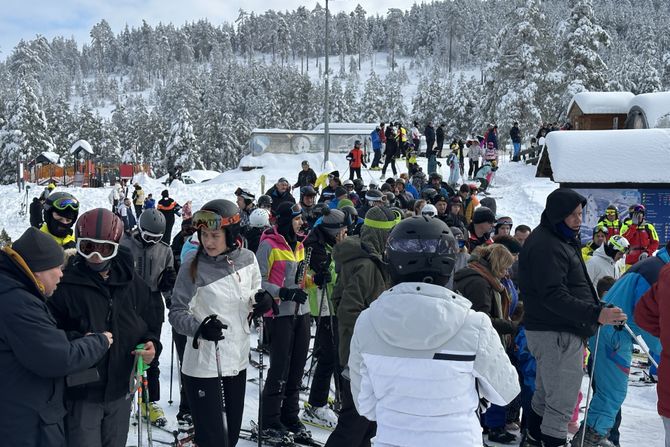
[150, 238]
[64, 203]
[212, 221]
[105, 250]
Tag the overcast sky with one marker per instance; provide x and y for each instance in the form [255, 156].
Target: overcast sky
[23, 19]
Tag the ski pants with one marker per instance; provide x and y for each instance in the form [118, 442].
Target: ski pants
[180, 346]
[377, 158]
[205, 397]
[289, 343]
[138, 211]
[389, 160]
[97, 424]
[356, 171]
[517, 149]
[432, 163]
[611, 366]
[474, 167]
[353, 430]
[325, 349]
[560, 358]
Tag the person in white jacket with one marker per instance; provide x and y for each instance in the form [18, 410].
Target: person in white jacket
[421, 359]
[218, 279]
[604, 260]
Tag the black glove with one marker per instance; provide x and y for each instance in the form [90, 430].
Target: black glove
[212, 329]
[264, 303]
[297, 295]
[167, 279]
[323, 278]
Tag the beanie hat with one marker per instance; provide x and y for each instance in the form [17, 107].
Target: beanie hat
[332, 221]
[381, 218]
[341, 191]
[334, 174]
[165, 193]
[509, 242]
[39, 250]
[282, 180]
[483, 214]
[286, 212]
[344, 202]
[374, 195]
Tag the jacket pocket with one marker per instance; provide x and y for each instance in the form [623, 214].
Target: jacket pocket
[52, 427]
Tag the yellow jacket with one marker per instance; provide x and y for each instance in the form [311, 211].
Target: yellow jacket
[65, 242]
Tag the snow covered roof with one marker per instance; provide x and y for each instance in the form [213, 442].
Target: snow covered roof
[655, 106]
[609, 156]
[602, 102]
[368, 127]
[83, 145]
[50, 156]
[336, 131]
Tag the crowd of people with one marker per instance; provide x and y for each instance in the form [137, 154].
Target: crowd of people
[438, 321]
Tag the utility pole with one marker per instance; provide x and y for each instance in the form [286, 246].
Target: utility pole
[326, 105]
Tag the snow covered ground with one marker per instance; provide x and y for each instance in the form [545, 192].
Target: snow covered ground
[518, 194]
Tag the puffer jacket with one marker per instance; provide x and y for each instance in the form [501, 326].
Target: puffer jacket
[601, 265]
[418, 356]
[150, 260]
[225, 286]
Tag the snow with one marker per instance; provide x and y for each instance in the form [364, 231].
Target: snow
[602, 102]
[656, 108]
[610, 156]
[81, 144]
[51, 156]
[518, 192]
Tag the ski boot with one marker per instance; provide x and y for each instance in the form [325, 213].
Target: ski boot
[184, 419]
[528, 441]
[591, 438]
[501, 436]
[274, 435]
[322, 417]
[300, 433]
[156, 414]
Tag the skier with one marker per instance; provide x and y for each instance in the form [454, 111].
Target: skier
[455, 218]
[138, 199]
[604, 260]
[154, 263]
[376, 140]
[561, 309]
[421, 359]
[415, 134]
[362, 278]
[452, 162]
[468, 194]
[60, 213]
[515, 136]
[474, 152]
[35, 354]
[245, 202]
[102, 272]
[306, 176]
[259, 221]
[36, 212]
[123, 210]
[328, 193]
[391, 152]
[611, 221]
[219, 279]
[480, 228]
[503, 226]
[599, 236]
[331, 230]
[307, 203]
[355, 159]
[280, 193]
[48, 190]
[149, 202]
[429, 132]
[440, 136]
[641, 235]
[281, 257]
[169, 208]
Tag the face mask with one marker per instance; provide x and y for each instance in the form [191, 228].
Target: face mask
[99, 267]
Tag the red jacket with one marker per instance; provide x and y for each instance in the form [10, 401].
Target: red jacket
[642, 238]
[652, 309]
[355, 158]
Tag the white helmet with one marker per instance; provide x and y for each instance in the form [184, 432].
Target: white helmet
[429, 210]
[259, 218]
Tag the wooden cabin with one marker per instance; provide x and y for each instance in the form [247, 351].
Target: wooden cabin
[599, 110]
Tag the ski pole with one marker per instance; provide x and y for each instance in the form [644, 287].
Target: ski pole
[171, 368]
[336, 376]
[316, 335]
[588, 392]
[259, 326]
[224, 418]
[638, 339]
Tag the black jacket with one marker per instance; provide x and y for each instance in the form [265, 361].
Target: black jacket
[36, 216]
[429, 132]
[84, 302]
[305, 178]
[557, 293]
[35, 356]
[278, 198]
[319, 260]
[439, 134]
[515, 134]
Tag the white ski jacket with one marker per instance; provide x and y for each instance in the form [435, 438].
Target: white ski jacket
[601, 265]
[224, 286]
[417, 356]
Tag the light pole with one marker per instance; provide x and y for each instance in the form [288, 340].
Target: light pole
[326, 110]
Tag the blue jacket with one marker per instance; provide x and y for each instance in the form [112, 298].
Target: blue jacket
[376, 141]
[35, 356]
[412, 190]
[527, 364]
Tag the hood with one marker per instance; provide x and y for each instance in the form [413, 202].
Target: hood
[400, 315]
[600, 253]
[560, 204]
[122, 269]
[349, 249]
[374, 240]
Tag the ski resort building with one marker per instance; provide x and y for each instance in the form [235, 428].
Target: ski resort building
[649, 111]
[599, 110]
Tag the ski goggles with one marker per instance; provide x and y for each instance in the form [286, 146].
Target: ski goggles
[296, 210]
[427, 246]
[105, 250]
[611, 212]
[150, 238]
[500, 222]
[63, 203]
[244, 194]
[213, 221]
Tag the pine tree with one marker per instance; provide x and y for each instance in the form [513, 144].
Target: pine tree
[373, 102]
[181, 149]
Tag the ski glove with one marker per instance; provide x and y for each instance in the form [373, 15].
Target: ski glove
[167, 279]
[321, 279]
[210, 329]
[264, 302]
[297, 295]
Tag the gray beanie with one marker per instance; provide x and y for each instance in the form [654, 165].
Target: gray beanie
[333, 221]
[39, 250]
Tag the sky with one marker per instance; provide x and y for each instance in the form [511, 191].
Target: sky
[23, 19]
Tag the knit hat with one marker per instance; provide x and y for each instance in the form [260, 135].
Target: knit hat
[483, 214]
[282, 180]
[165, 193]
[381, 218]
[333, 221]
[39, 250]
[286, 212]
[374, 195]
[341, 191]
[512, 244]
[334, 174]
[344, 202]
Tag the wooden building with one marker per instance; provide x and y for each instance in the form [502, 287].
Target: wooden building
[599, 110]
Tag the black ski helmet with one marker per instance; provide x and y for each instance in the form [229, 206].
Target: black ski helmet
[226, 209]
[428, 194]
[64, 204]
[264, 201]
[421, 249]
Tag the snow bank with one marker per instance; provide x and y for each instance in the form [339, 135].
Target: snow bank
[655, 106]
[610, 156]
[602, 102]
[81, 144]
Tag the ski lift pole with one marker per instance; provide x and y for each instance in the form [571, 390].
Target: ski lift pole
[638, 339]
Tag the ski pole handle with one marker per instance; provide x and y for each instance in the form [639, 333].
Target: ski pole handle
[640, 341]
